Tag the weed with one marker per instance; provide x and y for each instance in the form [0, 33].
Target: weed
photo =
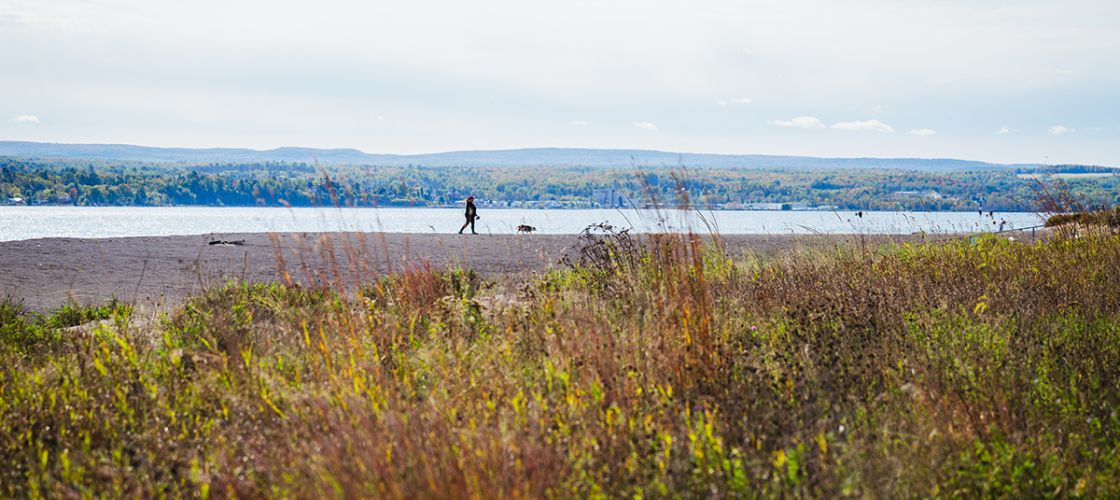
[648, 366]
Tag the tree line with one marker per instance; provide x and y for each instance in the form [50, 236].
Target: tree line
[300, 184]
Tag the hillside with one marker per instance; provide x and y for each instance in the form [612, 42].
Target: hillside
[512, 157]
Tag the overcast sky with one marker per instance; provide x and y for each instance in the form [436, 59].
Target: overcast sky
[1006, 81]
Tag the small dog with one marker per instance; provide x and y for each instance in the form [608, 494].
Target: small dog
[525, 229]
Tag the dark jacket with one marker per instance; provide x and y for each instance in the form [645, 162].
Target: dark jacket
[471, 210]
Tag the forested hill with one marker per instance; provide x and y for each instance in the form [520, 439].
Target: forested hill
[88, 182]
[622, 158]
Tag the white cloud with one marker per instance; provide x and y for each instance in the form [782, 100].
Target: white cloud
[861, 126]
[26, 119]
[1004, 130]
[579, 123]
[741, 100]
[923, 132]
[1059, 130]
[805, 122]
[646, 126]
[315, 77]
[11, 20]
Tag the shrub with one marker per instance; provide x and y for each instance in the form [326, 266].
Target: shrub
[649, 366]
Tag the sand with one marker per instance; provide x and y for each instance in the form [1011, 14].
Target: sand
[164, 271]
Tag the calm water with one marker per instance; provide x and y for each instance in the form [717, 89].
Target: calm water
[18, 223]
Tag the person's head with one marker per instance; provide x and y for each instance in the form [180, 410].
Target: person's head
[470, 198]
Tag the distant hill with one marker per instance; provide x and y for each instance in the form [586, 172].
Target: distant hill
[620, 158]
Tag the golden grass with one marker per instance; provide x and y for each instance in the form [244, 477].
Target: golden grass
[653, 366]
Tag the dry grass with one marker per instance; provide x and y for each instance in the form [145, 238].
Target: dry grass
[653, 366]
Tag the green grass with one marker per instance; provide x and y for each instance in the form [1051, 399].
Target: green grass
[646, 367]
[27, 332]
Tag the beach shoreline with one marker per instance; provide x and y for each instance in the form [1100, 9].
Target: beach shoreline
[164, 271]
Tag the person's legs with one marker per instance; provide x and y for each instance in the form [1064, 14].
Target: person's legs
[465, 224]
[472, 227]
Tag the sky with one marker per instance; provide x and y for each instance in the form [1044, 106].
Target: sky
[1032, 81]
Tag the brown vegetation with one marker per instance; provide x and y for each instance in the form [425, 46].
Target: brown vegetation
[648, 366]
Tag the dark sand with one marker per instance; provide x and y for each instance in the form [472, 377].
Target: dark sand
[163, 271]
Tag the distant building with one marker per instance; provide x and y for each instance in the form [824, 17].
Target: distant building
[928, 194]
[763, 206]
[609, 198]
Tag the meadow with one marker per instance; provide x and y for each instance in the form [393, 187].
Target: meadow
[644, 366]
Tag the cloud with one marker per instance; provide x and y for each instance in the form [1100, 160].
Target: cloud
[1059, 130]
[805, 122]
[1004, 130]
[741, 100]
[646, 126]
[316, 77]
[11, 20]
[864, 126]
[580, 123]
[26, 119]
[923, 132]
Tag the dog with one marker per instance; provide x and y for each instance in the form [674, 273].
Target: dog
[526, 229]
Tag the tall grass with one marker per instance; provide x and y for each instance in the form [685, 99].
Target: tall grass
[645, 366]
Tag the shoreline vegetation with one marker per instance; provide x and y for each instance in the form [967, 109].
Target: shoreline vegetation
[89, 183]
[634, 365]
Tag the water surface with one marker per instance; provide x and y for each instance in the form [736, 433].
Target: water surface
[21, 222]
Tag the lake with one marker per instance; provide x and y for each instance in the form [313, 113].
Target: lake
[22, 222]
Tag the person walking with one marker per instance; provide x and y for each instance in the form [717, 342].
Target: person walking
[472, 215]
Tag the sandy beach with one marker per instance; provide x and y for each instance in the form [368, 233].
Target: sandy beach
[163, 271]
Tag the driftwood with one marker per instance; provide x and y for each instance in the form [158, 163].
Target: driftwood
[224, 242]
